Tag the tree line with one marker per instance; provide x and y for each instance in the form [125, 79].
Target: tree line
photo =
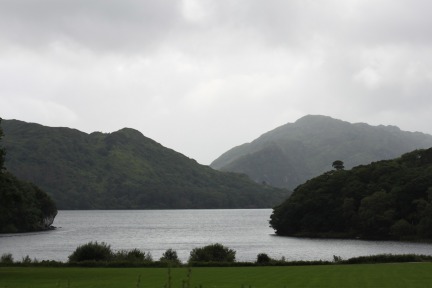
[94, 254]
[389, 199]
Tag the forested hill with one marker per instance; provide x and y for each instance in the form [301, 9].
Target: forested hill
[389, 199]
[123, 170]
[295, 152]
[23, 206]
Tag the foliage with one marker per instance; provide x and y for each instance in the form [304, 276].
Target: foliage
[212, 253]
[26, 260]
[123, 170]
[132, 256]
[337, 259]
[170, 256]
[7, 258]
[389, 199]
[338, 165]
[296, 152]
[92, 251]
[23, 206]
[263, 258]
[94, 254]
[387, 258]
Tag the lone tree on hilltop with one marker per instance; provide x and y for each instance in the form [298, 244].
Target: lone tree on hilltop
[338, 165]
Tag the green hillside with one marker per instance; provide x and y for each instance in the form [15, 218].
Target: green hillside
[23, 206]
[389, 199]
[293, 153]
[123, 170]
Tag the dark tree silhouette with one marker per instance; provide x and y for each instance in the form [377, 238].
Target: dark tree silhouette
[338, 165]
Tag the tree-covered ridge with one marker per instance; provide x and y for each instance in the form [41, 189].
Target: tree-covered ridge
[389, 199]
[295, 152]
[23, 206]
[123, 170]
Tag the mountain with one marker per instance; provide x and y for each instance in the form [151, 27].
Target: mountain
[295, 152]
[388, 199]
[23, 206]
[123, 170]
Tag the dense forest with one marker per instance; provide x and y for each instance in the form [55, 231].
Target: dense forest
[389, 199]
[123, 170]
[295, 152]
[23, 206]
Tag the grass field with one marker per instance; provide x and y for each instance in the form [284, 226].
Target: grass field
[374, 275]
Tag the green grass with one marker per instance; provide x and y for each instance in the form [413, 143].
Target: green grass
[374, 275]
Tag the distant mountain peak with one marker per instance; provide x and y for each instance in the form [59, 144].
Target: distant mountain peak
[319, 121]
[307, 147]
[130, 133]
[311, 118]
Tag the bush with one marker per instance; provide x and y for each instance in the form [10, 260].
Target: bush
[263, 258]
[6, 258]
[133, 256]
[170, 257]
[26, 260]
[337, 259]
[92, 251]
[212, 253]
[388, 258]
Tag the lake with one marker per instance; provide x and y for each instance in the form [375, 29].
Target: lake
[245, 230]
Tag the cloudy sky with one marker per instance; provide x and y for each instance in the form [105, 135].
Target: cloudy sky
[202, 76]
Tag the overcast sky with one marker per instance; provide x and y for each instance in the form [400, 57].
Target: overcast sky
[202, 76]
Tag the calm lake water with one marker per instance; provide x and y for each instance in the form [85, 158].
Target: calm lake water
[246, 230]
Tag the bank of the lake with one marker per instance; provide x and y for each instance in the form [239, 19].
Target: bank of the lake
[246, 231]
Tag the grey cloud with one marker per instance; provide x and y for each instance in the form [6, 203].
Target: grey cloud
[366, 22]
[389, 22]
[241, 67]
[134, 25]
[94, 24]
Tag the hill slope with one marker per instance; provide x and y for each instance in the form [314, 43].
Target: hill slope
[122, 170]
[293, 153]
[389, 199]
[23, 206]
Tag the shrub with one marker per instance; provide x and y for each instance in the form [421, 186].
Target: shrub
[92, 251]
[263, 258]
[26, 260]
[170, 257]
[134, 255]
[388, 258]
[6, 258]
[337, 259]
[212, 253]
